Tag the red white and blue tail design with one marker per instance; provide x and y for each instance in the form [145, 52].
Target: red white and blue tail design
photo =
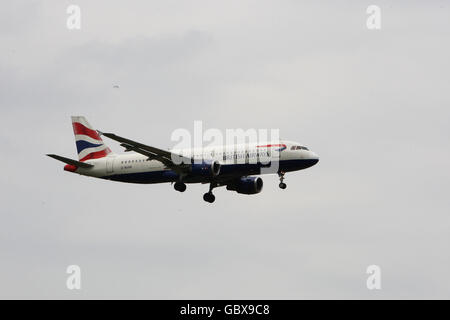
[89, 143]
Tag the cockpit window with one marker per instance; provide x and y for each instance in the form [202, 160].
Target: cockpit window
[299, 148]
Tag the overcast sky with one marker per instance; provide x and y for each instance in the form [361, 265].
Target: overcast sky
[373, 104]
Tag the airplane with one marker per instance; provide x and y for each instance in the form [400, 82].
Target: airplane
[236, 167]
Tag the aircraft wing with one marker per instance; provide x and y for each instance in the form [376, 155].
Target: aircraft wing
[151, 152]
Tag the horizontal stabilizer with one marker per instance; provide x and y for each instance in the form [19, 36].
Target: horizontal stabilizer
[70, 161]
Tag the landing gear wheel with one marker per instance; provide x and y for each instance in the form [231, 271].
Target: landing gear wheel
[180, 186]
[282, 185]
[209, 197]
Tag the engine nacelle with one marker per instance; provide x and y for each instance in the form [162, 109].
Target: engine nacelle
[206, 169]
[247, 185]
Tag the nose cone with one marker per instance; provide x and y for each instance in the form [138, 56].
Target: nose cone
[314, 158]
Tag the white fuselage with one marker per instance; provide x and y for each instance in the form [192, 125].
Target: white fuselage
[236, 160]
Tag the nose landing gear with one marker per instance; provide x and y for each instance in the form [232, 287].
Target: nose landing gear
[282, 185]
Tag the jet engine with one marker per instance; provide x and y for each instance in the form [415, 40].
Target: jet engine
[206, 169]
[246, 185]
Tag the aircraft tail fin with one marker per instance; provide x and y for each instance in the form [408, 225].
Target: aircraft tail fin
[89, 143]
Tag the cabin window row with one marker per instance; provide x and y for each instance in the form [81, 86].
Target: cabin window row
[134, 161]
[235, 155]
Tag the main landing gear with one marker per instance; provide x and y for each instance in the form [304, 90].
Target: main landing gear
[180, 186]
[282, 185]
[209, 197]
